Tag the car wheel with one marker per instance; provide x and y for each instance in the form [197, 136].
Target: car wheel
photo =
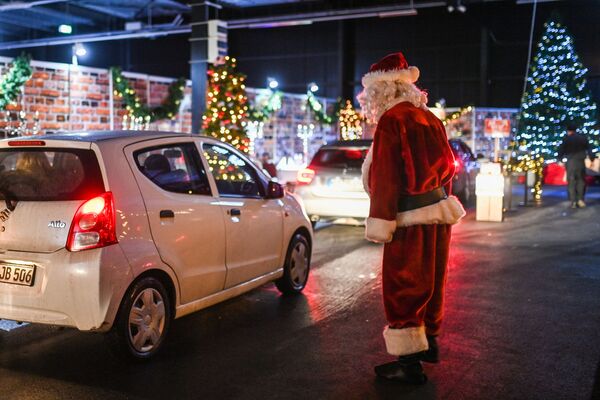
[297, 266]
[465, 194]
[143, 320]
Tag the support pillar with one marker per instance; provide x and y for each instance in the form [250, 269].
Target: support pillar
[484, 67]
[201, 13]
[346, 59]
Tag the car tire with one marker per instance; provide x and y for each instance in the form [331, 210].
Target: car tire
[465, 194]
[297, 266]
[143, 320]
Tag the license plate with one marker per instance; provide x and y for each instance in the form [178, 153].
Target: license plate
[17, 274]
[345, 184]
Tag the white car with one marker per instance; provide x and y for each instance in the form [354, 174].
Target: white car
[331, 185]
[121, 232]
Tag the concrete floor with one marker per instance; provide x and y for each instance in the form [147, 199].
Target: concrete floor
[522, 322]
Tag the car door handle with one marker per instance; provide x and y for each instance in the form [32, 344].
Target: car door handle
[167, 214]
[235, 212]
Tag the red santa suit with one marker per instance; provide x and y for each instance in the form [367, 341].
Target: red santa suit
[407, 174]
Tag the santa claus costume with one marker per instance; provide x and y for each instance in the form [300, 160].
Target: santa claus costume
[407, 174]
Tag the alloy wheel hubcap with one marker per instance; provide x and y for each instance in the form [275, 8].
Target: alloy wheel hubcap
[299, 264]
[147, 320]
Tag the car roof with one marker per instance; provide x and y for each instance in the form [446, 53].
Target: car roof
[349, 143]
[101, 136]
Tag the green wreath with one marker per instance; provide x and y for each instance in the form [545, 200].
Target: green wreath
[318, 109]
[168, 109]
[12, 83]
[264, 113]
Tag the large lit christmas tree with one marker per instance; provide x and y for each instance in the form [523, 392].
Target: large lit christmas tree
[226, 104]
[556, 95]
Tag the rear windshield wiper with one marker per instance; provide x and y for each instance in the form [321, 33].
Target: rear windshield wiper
[9, 198]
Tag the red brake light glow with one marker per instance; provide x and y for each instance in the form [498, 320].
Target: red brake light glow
[94, 224]
[457, 166]
[305, 176]
[26, 143]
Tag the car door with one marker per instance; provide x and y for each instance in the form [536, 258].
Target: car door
[185, 219]
[253, 224]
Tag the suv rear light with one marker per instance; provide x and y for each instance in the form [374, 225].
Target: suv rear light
[305, 176]
[94, 224]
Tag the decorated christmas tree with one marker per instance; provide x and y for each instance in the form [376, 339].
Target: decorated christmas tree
[350, 122]
[226, 104]
[556, 95]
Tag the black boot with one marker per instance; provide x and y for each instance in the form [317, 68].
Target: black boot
[407, 369]
[431, 355]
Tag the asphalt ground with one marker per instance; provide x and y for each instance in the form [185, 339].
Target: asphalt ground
[522, 322]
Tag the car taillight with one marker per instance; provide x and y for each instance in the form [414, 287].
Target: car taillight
[305, 176]
[94, 224]
[457, 166]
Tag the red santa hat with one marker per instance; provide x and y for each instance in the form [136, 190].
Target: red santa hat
[392, 67]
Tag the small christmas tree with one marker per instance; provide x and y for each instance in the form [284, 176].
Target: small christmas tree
[556, 95]
[350, 122]
[226, 104]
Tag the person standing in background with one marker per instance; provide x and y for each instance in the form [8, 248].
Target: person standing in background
[268, 165]
[575, 147]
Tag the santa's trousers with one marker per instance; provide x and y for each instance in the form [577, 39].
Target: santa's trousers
[414, 279]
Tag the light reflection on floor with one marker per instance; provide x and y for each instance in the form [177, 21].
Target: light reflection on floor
[8, 326]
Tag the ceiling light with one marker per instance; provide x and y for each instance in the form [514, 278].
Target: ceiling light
[79, 50]
[272, 82]
[65, 29]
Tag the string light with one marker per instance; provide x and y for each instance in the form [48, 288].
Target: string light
[557, 95]
[350, 122]
[226, 112]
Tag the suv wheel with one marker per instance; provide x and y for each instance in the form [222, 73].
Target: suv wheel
[297, 266]
[142, 321]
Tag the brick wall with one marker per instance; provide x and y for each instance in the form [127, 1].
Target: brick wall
[74, 99]
[67, 98]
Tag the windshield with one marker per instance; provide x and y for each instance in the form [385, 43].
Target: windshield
[340, 158]
[49, 174]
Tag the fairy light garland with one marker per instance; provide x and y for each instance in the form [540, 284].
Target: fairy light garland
[317, 108]
[265, 111]
[456, 115]
[139, 114]
[528, 163]
[11, 84]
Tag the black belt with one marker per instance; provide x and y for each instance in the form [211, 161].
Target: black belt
[407, 203]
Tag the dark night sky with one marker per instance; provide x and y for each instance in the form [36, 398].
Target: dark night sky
[446, 47]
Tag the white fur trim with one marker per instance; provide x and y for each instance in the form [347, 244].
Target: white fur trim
[402, 342]
[447, 211]
[410, 75]
[365, 169]
[380, 230]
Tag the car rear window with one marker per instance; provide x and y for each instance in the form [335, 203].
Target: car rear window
[49, 174]
[340, 158]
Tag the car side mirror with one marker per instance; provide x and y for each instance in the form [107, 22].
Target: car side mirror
[274, 190]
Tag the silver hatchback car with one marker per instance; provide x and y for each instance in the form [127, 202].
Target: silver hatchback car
[121, 232]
